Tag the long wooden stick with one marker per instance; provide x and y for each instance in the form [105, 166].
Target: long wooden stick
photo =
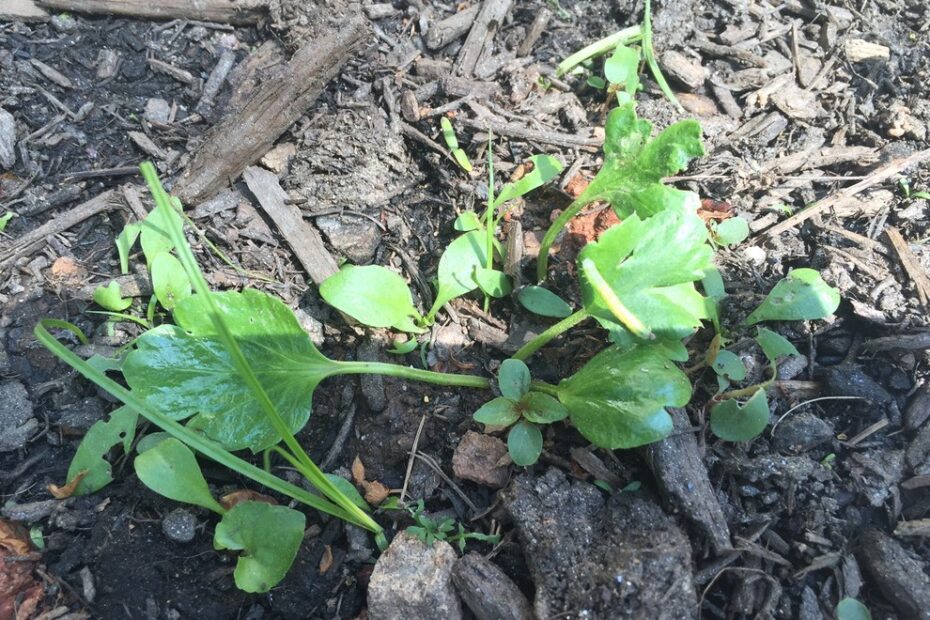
[239, 12]
[880, 175]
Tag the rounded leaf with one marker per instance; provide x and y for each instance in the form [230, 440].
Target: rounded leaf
[851, 609]
[109, 297]
[543, 302]
[542, 408]
[169, 280]
[171, 470]
[525, 443]
[513, 378]
[731, 231]
[269, 538]
[493, 282]
[801, 296]
[728, 365]
[372, 295]
[731, 422]
[618, 399]
[774, 345]
[498, 412]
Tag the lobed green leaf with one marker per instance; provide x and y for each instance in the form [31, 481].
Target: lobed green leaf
[97, 442]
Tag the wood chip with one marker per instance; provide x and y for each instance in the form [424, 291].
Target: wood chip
[858, 50]
[303, 238]
[21, 11]
[51, 73]
[920, 527]
[481, 36]
[451, 28]
[168, 69]
[911, 266]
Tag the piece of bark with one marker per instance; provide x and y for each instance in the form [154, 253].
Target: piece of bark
[487, 591]
[303, 238]
[540, 22]
[241, 138]
[21, 11]
[684, 70]
[238, 12]
[481, 35]
[896, 574]
[103, 202]
[451, 28]
[514, 130]
[911, 265]
[682, 478]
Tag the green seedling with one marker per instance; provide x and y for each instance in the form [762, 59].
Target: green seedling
[111, 298]
[5, 219]
[851, 609]
[729, 232]
[522, 411]
[904, 183]
[430, 530]
[631, 176]
[452, 141]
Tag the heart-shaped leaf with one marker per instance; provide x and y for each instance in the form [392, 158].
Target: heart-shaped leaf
[269, 538]
[734, 422]
[801, 296]
[111, 298]
[650, 266]
[524, 443]
[185, 370]
[170, 469]
[618, 399]
[372, 295]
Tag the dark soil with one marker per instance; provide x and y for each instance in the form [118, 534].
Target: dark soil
[790, 116]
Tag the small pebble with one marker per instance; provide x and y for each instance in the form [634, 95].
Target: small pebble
[179, 525]
[157, 110]
[64, 22]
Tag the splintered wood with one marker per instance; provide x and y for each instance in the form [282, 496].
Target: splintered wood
[303, 238]
[238, 12]
[241, 138]
[911, 266]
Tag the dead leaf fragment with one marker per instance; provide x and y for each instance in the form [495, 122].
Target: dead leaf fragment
[375, 492]
[68, 490]
[326, 561]
[20, 591]
[245, 495]
[358, 471]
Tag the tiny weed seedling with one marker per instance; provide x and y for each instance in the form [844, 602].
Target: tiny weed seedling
[223, 372]
[448, 529]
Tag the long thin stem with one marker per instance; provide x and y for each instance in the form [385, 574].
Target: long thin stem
[545, 388]
[602, 46]
[186, 256]
[539, 341]
[415, 374]
[193, 440]
[650, 56]
[542, 263]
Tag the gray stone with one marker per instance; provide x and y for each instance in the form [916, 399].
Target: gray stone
[414, 580]
[356, 237]
[179, 525]
[488, 592]
[801, 432]
[16, 422]
[600, 559]
[64, 22]
[7, 139]
[157, 111]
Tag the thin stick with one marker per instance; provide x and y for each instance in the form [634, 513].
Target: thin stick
[878, 176]
[808, 402]
[911, 265]
[413, 454]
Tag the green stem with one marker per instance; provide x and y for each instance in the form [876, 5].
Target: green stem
[186, 256]
[545, 388]
[621, 37]
[542, 263]
[414, 374]
[540, 341]
[650, 56]
[193, 440]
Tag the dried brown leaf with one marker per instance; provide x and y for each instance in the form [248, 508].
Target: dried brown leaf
[245, 495]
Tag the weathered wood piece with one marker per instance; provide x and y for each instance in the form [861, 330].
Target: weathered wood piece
[103, 202]
[303, 238]
[519, 132]
[481, 35]
[239, 12]
[241, 138]
[21, 11]
[451, 28]
[911, 265]
[683, 482]
[488, 592]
